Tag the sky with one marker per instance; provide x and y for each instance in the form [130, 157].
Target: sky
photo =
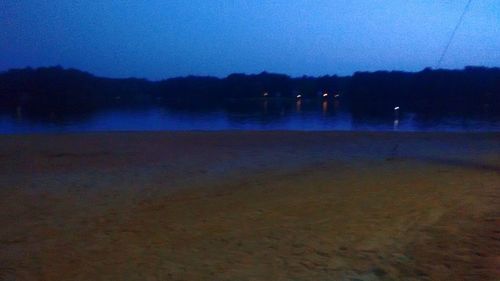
[157, 39]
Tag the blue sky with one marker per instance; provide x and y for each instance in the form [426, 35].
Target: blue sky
[156, 39]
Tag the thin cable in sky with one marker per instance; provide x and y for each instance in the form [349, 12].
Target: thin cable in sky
[453, 33]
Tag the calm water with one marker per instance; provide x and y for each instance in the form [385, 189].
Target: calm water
[254, 115]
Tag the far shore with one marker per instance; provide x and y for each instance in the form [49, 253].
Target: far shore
[250, 205]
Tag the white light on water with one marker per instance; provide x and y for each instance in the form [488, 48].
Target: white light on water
[396, 108]
[299, 96]
[266, 94]
[396, 124]
[325, 95]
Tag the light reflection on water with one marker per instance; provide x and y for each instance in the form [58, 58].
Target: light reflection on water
[260, 115]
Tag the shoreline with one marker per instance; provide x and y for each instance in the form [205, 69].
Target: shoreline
[382, 132]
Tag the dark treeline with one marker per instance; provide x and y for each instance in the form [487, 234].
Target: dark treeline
[57, 89]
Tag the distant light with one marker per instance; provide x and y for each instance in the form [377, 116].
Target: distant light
[299, 96]
[336, 96]
[266, 94]
[325, 95]
[396, 108]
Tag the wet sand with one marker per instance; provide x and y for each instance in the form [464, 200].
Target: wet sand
[250, 206]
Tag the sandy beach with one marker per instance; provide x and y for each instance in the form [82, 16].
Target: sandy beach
[250, 206]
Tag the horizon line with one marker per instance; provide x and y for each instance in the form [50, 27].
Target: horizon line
[246, 74]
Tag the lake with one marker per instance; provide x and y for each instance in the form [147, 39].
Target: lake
[267, 114]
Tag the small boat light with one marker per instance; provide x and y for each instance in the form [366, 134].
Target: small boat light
[325, 95]
[299, 96]
[396, 108]
[266, 94]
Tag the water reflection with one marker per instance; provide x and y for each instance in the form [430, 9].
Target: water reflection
[19, 113]
[265, 105]
[298, 105]
[396, 124]
[258, 114]
[336, 105]
[324, 107]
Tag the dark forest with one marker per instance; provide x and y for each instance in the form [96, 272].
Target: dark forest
[58, 89]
